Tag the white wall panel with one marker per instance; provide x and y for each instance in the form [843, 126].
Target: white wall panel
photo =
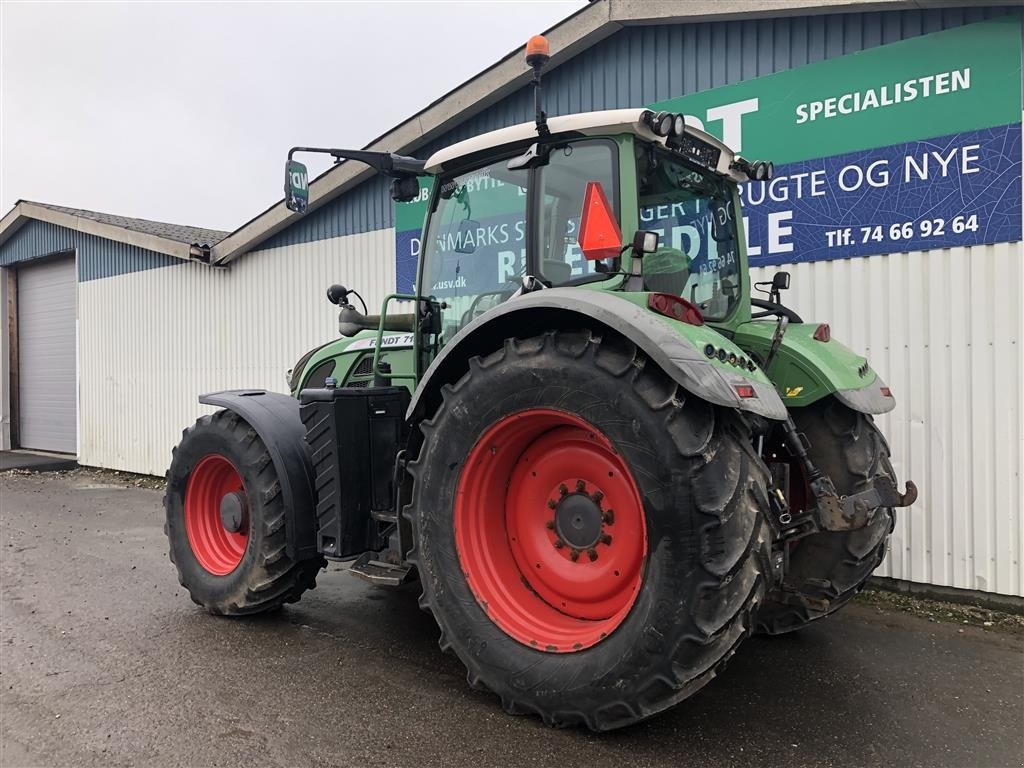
[944, 329]
[151, 341]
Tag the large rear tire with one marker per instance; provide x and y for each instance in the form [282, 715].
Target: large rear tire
[828, 569]
[225, 521]
[589, 536]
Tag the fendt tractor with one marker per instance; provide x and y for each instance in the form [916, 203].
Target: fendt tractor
[603, 461]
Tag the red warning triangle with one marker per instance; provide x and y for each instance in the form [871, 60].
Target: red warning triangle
[600, 236]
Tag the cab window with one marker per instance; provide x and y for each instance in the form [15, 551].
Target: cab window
[562, 184]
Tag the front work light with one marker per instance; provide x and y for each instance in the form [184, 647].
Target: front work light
[665, 124]
[759, 170]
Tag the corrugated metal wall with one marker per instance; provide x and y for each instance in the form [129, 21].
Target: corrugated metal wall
[642, 65]
[151, 341]
[943, 328]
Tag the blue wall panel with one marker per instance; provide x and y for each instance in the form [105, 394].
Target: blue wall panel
[640, 65]
[97, 256]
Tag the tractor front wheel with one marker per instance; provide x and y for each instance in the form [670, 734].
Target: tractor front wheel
[588, 534]
[226, 521]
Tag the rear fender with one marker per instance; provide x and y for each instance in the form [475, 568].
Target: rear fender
[805, 370]
[275, 417]
[666, 342]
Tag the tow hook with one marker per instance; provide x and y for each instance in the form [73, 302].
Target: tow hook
[909, 496]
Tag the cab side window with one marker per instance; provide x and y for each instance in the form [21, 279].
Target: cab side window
[562, 184]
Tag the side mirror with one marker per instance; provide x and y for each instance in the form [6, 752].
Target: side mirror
[645, 241]
[296, 186]
[781, 281]
[465, 238]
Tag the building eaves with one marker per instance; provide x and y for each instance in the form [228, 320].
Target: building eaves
[183, 242]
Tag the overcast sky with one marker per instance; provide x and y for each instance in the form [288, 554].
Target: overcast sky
[184, 112]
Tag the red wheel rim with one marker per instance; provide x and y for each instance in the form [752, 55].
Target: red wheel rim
[550, 530]
[217, 549]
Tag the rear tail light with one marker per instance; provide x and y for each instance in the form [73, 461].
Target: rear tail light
[675, 307]
[823, 332]
[886, 392]
[745, 391]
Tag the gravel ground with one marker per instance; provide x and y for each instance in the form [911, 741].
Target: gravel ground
[105, 661]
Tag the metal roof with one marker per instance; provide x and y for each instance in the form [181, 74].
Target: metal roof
[180, 232]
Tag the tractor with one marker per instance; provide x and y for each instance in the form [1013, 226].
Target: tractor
[604, 462]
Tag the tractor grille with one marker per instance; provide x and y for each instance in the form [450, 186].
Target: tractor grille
[364, 367]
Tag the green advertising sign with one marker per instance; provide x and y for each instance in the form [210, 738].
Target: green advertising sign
[959, 80]
[908, 146]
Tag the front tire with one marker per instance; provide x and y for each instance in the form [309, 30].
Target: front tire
[828, 569]
[225, 521]
[533, 446]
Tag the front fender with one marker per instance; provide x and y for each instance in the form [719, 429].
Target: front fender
[275, 418]
[676, 347]
[805, 370]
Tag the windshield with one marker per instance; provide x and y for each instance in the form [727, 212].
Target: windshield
[693, 212]
[475, 249]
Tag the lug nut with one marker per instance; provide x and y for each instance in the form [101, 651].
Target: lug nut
[581, 486]
[562, 489]
[550, 525]
[552, 504]
[559, 543]
[608, 517]
[574, 555]
[606, 539]
[592, 554]
[597, 497]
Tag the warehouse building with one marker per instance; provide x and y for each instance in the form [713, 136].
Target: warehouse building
[879, 115]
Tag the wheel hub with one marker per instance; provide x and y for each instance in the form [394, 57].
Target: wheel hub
[578, 521]
[233, 511]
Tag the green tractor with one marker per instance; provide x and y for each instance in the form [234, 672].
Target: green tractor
[603, 461]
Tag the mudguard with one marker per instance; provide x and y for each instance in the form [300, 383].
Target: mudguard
[805, 370]
[666, 342]
[275, 417]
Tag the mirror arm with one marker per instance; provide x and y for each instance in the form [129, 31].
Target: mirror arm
[383, 162]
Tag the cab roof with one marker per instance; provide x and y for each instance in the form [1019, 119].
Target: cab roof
[607, 122]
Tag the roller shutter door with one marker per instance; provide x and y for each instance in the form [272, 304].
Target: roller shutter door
[47, 403]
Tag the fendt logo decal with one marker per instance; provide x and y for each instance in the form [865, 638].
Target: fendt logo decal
[398, 341]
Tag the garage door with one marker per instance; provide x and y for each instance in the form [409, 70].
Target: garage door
[47, 403]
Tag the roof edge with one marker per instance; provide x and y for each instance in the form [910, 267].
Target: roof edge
[25, 209]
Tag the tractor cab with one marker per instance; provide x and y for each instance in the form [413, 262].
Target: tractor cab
[603, 200]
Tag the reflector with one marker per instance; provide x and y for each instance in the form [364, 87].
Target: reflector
[600, 236]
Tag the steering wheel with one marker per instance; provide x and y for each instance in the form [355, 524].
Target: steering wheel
[474, 310]
[771, 308]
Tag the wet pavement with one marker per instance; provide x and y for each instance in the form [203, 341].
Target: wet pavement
[105, 661]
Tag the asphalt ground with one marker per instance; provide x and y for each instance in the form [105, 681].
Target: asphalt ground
[105, 661]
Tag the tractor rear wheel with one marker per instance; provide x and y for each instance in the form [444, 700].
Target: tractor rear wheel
[226, 521]
[828, 569]
[589, 536]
